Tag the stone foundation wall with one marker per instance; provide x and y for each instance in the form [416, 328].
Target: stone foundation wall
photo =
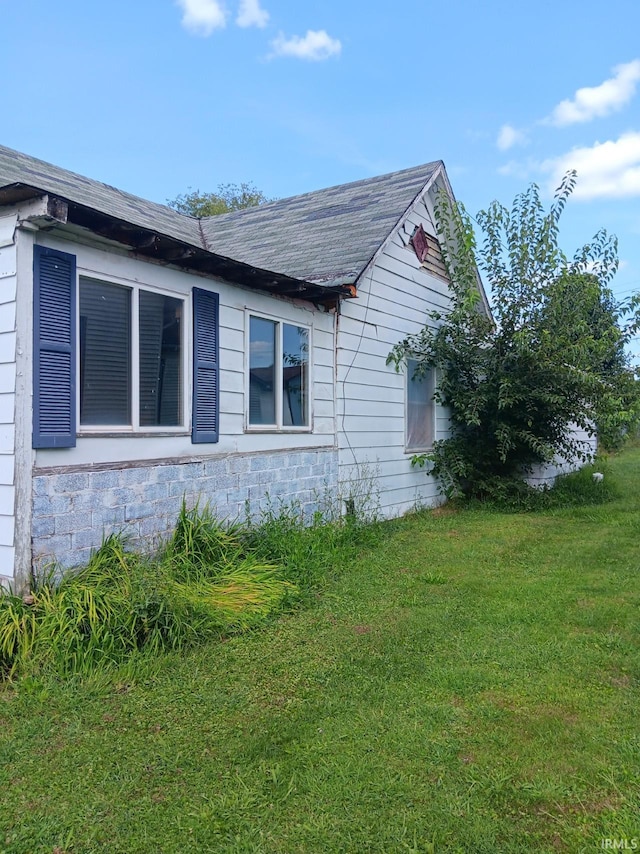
[74, 509]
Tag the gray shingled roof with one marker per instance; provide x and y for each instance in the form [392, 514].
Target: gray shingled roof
[328, 236]
[17, 168]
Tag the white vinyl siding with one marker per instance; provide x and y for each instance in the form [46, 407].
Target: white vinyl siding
[394, 297]
[8, 280]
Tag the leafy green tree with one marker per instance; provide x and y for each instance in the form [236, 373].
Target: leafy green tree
[552, 356]
[228, 197]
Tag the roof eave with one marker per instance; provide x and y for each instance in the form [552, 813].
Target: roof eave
[151, 243]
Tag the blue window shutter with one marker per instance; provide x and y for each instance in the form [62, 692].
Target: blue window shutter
[206, 372]
[54, 350]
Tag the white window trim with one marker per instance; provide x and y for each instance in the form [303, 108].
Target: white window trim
[278, 427]
[409, 449]
[134, 427]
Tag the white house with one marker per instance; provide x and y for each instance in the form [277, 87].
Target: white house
[147, 356]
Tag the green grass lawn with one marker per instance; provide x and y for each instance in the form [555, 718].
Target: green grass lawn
[470, 684]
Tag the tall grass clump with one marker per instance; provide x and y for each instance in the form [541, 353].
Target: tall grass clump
[309, 547]
[205, 583]
[75, 622]
[202, 546]
[574, 489]
[214, 577]
[210, 579]
[17, 632]
[579, 488]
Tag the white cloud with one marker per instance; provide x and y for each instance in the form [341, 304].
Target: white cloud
[596, 101]
[251, 14]
[607, 170]
[510, 136]
[315, 45]
[202, 17]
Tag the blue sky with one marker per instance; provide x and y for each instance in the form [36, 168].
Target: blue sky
[157, 96]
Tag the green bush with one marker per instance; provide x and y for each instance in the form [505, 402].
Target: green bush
[520, 382]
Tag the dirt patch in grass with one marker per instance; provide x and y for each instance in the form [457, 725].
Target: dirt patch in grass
[444, 510]
[621, 680]
[594, 807]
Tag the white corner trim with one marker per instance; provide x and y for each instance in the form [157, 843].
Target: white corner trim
[8, 225]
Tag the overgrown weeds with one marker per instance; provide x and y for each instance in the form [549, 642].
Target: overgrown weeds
[574, 489]
[205, 583]
[211, 579]
[309, 548]
[201, 546]
[581, 488]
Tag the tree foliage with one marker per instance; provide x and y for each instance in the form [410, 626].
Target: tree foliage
[552, 356]
[227, 198]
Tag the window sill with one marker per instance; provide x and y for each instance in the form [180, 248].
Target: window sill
[271, 429]
[130, 434]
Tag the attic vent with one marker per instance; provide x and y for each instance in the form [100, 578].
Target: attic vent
[419, 243]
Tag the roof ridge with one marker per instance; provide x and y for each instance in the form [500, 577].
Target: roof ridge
[327, 235]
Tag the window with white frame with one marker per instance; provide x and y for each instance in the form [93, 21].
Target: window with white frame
[278, 391]
[118, 354]
[131, 357]
[420, 408]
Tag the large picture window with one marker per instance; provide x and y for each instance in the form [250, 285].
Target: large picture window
[278, 374]
[114, 356]
[420, 412]
[131, 357]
